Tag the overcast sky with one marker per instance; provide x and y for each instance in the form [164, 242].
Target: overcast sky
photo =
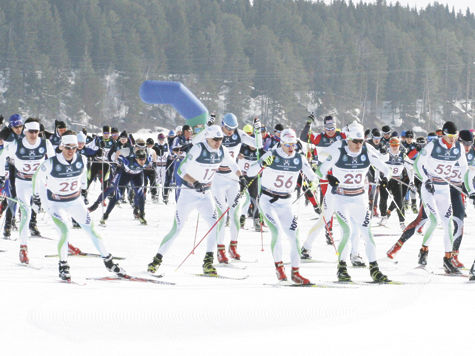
[457, 4]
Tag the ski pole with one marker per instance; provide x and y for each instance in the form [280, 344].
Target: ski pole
[236, 202]
[196, 230]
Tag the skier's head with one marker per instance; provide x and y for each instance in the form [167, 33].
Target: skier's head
[248, 129]
[69, 144]
[229, 124]
[394, 143]
[150, 142]
[16, 121]
[32, 130]
[115, 133]
[81, 140]
[214, 136]
[450, 132]
[376, 136]
[409, 136]
[161, 137]
[355, 136]
[278, 130]
[141, 156]
[288, 141]
[106, 131]
[386, 131]
[187, 131]
[466, 137]
[329, 125]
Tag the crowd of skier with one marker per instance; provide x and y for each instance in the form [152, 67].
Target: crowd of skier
[230, 174]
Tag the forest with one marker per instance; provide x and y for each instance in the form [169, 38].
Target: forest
[84, 61]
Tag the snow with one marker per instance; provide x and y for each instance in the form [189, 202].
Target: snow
[204, 316]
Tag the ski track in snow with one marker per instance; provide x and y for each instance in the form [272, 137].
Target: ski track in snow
[198, 316]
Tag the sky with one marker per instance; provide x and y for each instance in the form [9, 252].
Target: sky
[457, 4]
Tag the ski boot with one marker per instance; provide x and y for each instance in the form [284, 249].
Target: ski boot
[449, 266]
[257, 225]
[233, 251]
[423, 253]
[455, 260]
[73, 250]
[14, 227]
[208, 267]
[414, 207]
[24, 254]
[142, 218]
[280, 271]
[305, 254]
[112, 266]
[7, 231]
[64, 271]
[375, 212]
[394, 249]
[342, 272]
[472, 273]
[103, 219]
[357, 261]
[376, 274]
[155, 199]
[93, 207]
[222, 258]
[153, 266]
[242, 221]
[136, 213]
[317, 209]
[297, 278]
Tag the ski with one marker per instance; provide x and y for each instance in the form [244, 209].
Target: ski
[127, 277]
[311, 285]
[41, 237]
[243, 261]
[87, 254]
[381, 234]
[70, 281]
[464, 275]
[3, 250]
[311, 260]
[220, 276]
[232, 266]
[29, 266]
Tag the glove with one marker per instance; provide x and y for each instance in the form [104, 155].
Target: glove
[257, 124]
[199, 187]
[36, 203]
[429, 186]
[383, 150]
[102, 144]
[332, 180]
[1, 119]
[242, 184]
[2, 182]
[312, 186]
[311, 118]
[384, 182]
[267, 161]
[99, 152]
[211, 119]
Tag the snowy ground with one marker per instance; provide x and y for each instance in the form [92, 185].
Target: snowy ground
[203, 316]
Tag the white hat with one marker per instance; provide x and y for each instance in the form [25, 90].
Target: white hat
[81, 137]
[288, 136]
[355, 131]
[178, 128]
[214, 131]
[32, 126]
[69, 140]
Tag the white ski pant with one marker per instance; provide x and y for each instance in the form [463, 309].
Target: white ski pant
[62, 212]
[281, 220]
[328, 208]
[354, 219]
[225, 189]
[24, 192]
[160, 176]
[189, 200]
[438, 208]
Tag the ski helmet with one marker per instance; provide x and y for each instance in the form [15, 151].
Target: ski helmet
[288, 136]
[230, 120]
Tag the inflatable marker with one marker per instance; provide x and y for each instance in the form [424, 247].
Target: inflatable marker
[180, 97]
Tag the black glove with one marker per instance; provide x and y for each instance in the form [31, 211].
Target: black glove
[99, 152]
[384, 182]
[332, 180]
[1, 119]
[102, 144]
[429, 186]
[2, 182]
[311, 118]
[383, 150]
[199, 187]
[211, 119]
[242, 183]
[36, 203]
[472, 196]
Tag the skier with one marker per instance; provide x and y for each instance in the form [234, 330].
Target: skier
[434, 166]
[57, 186]
[26, 154]
[350, 161]
[278, 182]
[162, 151]
[197, 172]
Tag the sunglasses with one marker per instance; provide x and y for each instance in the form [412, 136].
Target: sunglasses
[228, 128]
[357, 141]
[263, 129]
[376, 137]
[467, 143]
[33, 131]
[217, 139]
[70, 148]
[290, 145]
[451, 135]
[329, 128]
[106, 133]
[115, 134]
